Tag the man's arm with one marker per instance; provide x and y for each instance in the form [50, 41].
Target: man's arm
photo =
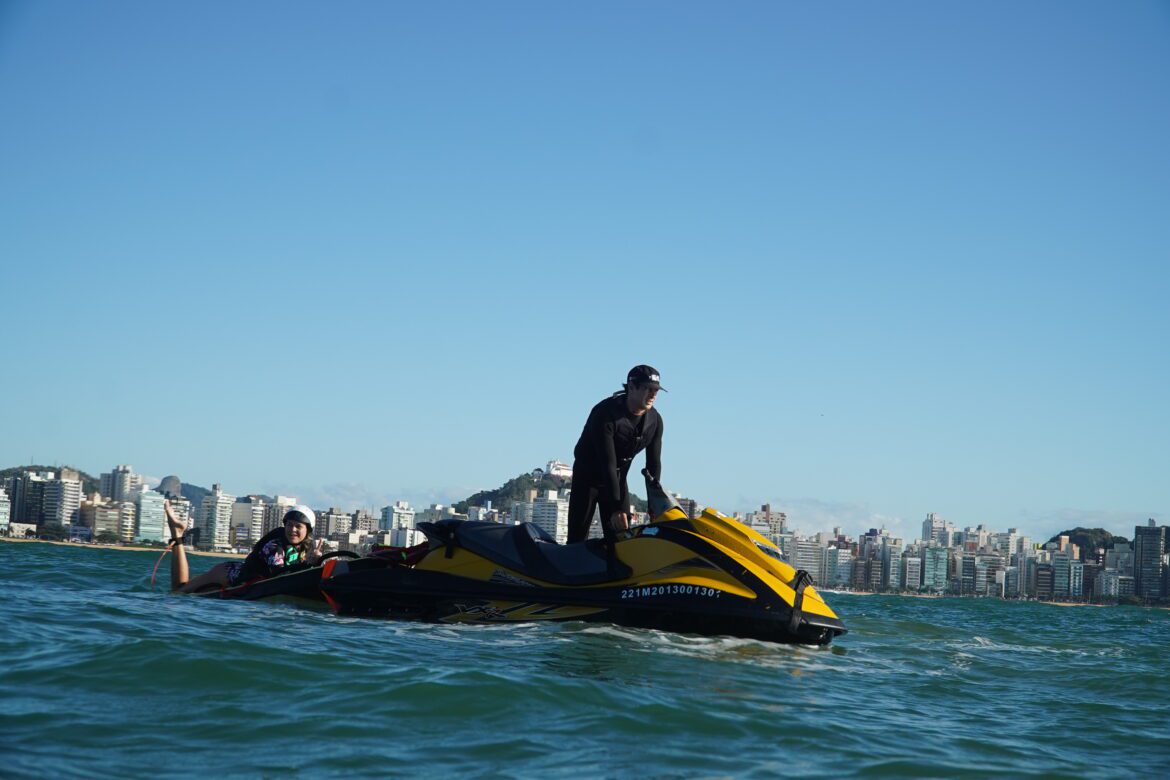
[613, 488]
[654, 452]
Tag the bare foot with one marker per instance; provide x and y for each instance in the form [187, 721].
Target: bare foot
[176, 525]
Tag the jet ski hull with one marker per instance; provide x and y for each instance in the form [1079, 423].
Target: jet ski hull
[677, 607]
[675, 575]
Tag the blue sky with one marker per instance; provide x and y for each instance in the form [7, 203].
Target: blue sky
[890, 258]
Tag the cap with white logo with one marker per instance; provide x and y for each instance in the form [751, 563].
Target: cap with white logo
[644, 375]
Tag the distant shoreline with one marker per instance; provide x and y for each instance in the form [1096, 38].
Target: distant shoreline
[128, 547]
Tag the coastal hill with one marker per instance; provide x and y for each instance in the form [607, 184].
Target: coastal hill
[89, 483]
[516, 489]
[1090, 539]
[512, 491]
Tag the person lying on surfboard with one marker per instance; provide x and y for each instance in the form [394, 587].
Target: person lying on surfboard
[283, 547]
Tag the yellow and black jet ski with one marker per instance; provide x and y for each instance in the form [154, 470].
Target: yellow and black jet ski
[709, 575]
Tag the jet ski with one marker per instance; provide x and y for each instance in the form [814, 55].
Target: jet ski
[709, 575]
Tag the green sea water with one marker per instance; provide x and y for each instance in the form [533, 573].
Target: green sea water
[102, 677]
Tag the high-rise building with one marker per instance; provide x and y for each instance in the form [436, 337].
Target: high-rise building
[61, 501]
[1045, 584]
[27, 493]
[835, 566]
[121, 484]
[152, 520]
[1076, 581]
[911, 573]
[1149, 546]
[776, 522]
[1005, 544]
[248, 519]
[107, 521]
[933, 528]
[1061, 568]
[551, 512]
[333, 521]
[1120, 558]
[934, 569]
[363, 522]
[399, 515]
[1112, 584]
[521, 512]
[214, 519]
[967, 574]
[1011, 582]
[127, 520]
[5, 512]
[807, 555]
[892, 566]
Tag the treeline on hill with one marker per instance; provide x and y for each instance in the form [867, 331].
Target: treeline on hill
[89, 484]
[516, 489]
[1090, 539]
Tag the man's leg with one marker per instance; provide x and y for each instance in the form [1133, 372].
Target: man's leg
[582, 501]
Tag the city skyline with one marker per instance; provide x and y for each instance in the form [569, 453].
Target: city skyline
[1075, 567]
[888, 260]
[807, 523]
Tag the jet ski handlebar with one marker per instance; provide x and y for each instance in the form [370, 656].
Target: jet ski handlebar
[657, 498]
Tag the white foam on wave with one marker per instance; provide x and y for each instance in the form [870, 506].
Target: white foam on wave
[983, 644]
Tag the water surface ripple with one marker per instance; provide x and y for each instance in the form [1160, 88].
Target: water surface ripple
[102, 677]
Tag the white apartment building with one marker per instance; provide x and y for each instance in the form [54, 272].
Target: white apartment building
[911, 573]
[841, 570]
[400, 515]
[5, 512]
[127, 520]
[332, 522]
[807, 554]
[551, 512]
[121, 484]
[107, 519]
[248, 515]
[214, 519]
[404, 537]
[61, 501]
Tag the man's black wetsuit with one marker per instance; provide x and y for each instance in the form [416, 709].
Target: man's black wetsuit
[602, 458]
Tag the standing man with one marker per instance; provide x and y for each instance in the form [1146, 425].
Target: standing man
[618, 428]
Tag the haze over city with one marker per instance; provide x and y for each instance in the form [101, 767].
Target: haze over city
[899, 260]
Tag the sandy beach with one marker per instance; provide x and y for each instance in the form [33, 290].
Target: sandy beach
[135, 548]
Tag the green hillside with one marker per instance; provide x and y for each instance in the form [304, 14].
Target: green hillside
[516, 489]
[89, 483]
[1090, 539]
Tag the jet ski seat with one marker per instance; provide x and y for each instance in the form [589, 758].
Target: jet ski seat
[529, 549]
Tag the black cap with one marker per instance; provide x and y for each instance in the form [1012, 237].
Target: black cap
[644, 375]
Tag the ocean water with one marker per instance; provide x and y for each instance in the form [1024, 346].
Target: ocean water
[102, 677]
